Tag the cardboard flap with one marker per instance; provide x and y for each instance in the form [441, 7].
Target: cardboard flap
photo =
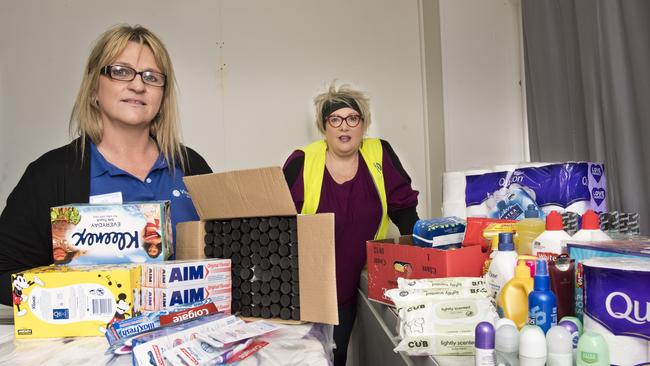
[317, 267]
[241, 193]
[189, 240]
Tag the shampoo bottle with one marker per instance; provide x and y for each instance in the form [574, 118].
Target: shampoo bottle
[542, 305]
[562, 274]
[502, 267]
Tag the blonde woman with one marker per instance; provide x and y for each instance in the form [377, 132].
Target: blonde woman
[361, 181]
[127, 147]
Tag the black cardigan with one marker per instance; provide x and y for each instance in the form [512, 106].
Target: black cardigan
[57, 178]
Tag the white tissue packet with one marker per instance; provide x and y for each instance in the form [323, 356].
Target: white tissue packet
[438, 283]
[438, 316]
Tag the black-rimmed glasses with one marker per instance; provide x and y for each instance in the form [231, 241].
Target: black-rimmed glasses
[125, 73]
[352, 120]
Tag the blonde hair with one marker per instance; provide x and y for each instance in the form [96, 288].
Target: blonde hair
[85, 120]
[342, 94]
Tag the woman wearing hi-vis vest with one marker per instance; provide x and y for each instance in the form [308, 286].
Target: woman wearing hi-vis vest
[361, 181]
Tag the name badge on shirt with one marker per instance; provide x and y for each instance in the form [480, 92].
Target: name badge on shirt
[106, 198]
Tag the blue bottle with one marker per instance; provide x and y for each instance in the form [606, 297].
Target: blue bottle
[542, 304]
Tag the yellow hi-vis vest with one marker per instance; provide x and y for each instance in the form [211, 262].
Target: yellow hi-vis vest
[314, 169]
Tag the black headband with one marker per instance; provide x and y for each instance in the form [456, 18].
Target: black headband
[334, 105]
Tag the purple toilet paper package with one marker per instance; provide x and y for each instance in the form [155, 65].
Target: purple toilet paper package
[616, 296]
[617, 306]
[571, 186]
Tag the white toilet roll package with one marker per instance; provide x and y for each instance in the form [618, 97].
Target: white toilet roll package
[617, 305]
[507, 191]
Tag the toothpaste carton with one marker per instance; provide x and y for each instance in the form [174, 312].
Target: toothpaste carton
[154, 299]
[121, 332]
[63, 301]
[148, 349]
[183, 273]
[118, 233]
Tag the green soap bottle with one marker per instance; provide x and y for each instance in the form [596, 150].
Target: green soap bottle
[592, 350]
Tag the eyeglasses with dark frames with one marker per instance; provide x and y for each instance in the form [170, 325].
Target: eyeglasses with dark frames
[125, 73]
[352, 120]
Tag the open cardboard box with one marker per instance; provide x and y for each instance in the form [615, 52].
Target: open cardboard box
[260, 193]
[389, 259]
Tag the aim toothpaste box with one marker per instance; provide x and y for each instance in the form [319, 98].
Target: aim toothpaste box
[64, 301]
[187, 272]
[174, 283]
[154, 299]
[137, 232]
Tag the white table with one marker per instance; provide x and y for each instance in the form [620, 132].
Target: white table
[291, 345]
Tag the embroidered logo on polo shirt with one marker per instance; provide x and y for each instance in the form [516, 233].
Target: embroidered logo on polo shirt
[180, 193]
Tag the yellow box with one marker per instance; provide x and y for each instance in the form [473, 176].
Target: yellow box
[62, 301]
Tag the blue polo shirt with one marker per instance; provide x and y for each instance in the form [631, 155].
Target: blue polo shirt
[159, 185]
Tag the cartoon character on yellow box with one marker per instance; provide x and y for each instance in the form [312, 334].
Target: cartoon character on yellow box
[121, 311]
[19, 284]
[75, 301]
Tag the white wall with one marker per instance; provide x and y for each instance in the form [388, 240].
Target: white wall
[484, 104]
[247, 72]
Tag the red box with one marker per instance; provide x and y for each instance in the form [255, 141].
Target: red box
[388, 260]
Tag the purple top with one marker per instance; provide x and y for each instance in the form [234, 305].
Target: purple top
[484, 336]
[357, 213]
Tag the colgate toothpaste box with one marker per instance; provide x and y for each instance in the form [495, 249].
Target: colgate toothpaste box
[189, 272]
[135, 232]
